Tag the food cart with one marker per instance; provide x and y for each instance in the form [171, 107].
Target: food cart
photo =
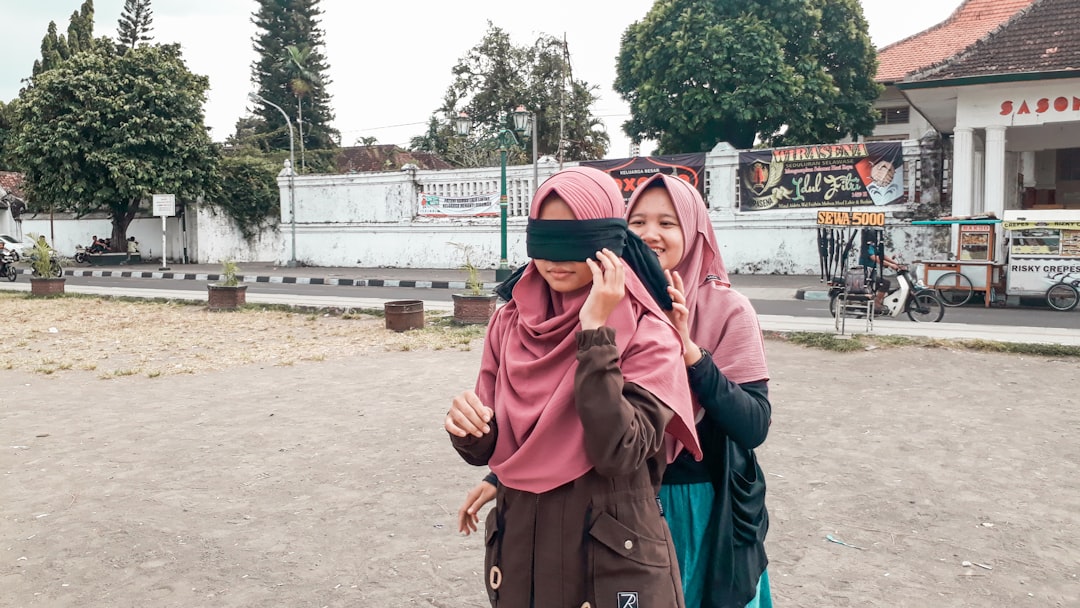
[973, 267]
[1044, 255]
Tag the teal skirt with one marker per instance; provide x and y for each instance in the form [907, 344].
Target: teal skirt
[687, 508]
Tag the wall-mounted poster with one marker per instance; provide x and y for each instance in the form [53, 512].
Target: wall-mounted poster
[480, 205]
[630, 173]
[834, 175]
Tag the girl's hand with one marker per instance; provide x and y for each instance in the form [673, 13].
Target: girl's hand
[608, 289]
[468, 416]
[679, 315]
[477, 497]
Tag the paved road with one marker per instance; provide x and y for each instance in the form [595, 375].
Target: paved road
[767, 301]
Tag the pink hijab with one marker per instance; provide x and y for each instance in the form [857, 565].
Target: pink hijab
[530, 356]
[718, 313]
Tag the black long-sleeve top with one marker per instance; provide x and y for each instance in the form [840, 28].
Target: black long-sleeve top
[741, 411]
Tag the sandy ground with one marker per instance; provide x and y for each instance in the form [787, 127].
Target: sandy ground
[244, 474]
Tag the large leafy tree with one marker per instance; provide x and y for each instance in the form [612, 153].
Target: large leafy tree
[697, 72]
[495, 77]
[135, 23]
[282, 24]
[103, 131]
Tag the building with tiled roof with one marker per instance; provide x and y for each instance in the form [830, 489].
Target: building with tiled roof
[970, 22]
[1010, 104]
[12, 183]
[388, 157]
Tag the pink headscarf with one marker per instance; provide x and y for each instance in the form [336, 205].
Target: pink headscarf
[718, 313]
[530, 357]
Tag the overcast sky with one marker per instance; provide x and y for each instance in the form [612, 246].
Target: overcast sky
[389, 62]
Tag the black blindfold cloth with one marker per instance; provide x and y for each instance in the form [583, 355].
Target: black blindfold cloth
[579, 240]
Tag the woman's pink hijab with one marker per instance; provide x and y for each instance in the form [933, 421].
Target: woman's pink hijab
[530, 356]
[717, 312]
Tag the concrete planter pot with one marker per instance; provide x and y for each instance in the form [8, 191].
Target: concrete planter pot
[472, 309]
[224, 297]
[46, 286]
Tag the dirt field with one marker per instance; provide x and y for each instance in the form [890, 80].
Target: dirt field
[219, 468]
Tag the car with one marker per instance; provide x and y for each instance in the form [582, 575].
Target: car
[16, 246]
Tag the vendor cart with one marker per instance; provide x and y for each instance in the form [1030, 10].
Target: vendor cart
[1044, 255]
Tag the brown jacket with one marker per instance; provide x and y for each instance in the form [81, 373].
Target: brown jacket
[599, 541]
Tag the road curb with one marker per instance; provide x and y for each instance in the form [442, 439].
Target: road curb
[202, 276]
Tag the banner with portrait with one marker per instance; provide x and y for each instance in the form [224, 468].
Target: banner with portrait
[630, 173]
[832, 175]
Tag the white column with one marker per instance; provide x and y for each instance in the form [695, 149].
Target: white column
[994, 184]
[963, 171]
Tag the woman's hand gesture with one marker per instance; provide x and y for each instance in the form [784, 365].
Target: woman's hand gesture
[608, 289]
[679, 315]
[468, 416]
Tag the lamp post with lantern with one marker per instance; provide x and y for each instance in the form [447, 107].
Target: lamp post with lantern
[504, 139]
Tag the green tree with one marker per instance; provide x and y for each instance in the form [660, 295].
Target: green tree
[7, 129]
[58, 47]
[104, 132]
[495, 77]
[249, 192]
[282, 24]
[302, 82]
[134, 24]
[698, 72]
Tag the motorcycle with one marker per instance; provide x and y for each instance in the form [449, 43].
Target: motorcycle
[81, 255]
[922, 304]
[7, 265]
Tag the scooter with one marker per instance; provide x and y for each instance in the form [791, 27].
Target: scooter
[922, 304]
[81, 255]
[55, 270]
[7, 265]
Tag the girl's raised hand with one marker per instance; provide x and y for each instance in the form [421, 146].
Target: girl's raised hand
[468, 416]
[608, 289]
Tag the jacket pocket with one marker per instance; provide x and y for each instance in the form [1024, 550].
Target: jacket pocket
[628, 568]
[747, 487]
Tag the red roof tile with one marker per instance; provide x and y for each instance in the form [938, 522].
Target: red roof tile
[1042, 38]
[12, 182]
[968, 23]
[385, 157]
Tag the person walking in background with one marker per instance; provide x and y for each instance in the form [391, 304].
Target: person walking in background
[715, 507]
[582, 373]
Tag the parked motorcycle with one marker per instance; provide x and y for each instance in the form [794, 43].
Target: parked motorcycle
[81, 255]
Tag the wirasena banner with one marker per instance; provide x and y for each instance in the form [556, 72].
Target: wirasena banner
[632, 172]
[834, 175]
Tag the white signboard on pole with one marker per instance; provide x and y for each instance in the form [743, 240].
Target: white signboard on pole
[165, 204]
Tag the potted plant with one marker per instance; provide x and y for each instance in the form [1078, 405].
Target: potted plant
[229, 294]
[475, 305]
[47, 277]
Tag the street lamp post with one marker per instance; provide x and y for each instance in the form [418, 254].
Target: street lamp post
[255, 97]
[505, 139]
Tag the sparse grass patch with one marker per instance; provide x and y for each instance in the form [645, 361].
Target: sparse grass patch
[856, 342]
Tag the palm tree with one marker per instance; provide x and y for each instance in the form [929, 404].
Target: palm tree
[301, 82]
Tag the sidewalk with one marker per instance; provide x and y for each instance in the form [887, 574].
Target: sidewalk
[758, 287]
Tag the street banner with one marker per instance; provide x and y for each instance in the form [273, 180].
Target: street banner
[630, 173]
[833, 175]
[480, 205]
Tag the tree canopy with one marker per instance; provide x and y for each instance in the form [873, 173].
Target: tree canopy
[495, 77]
[102, 131]
[134, 24]
[282, 81]
[58, 47]
[698, 72]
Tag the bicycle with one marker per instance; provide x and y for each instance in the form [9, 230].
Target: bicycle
[1062, 296]
[954, 288]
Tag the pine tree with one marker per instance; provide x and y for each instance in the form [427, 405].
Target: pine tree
[81, 28]
[54, 49]
[134, 24]
[282, 24]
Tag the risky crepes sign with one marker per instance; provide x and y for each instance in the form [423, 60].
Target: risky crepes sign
[630, 173]
[833, 175]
